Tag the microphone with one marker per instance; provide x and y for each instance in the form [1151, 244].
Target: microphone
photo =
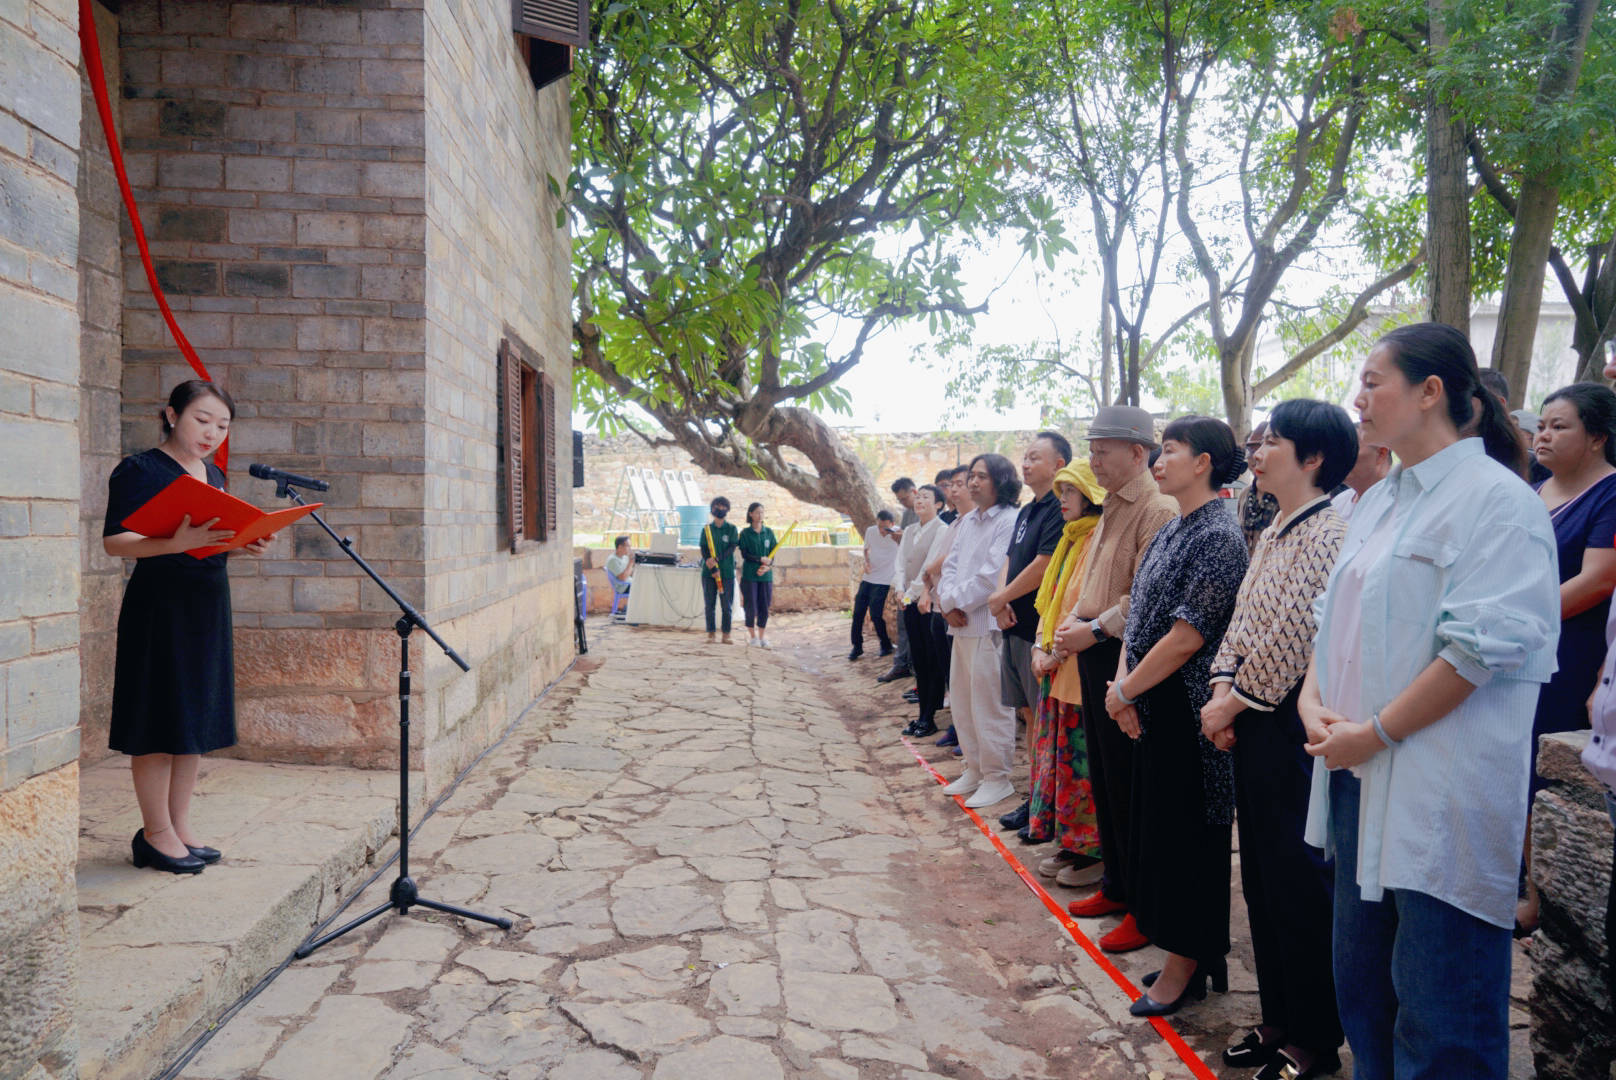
[269, 472]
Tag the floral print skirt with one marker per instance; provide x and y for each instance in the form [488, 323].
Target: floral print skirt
[1062, 800]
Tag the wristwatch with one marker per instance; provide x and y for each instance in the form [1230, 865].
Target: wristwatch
[1098, 631]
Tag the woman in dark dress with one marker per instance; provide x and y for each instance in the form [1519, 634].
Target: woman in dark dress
[1183, 787]
[173, 696]
[1576, 442]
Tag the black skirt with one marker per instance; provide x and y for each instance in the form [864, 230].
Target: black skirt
[1178, 888]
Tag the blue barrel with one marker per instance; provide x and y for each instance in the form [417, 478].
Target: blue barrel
[691, 519]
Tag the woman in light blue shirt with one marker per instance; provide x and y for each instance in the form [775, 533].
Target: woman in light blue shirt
[1435, 634]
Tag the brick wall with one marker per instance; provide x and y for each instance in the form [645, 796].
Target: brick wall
[495, 260]
[917, 455]
[39, 542]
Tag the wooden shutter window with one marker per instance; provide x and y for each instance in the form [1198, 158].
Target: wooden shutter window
[510, 381]
[563, 21]
[548, 474]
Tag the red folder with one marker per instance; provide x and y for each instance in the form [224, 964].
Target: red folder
[187, 495]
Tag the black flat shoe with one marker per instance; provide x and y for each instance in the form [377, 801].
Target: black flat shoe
[920, 729]
[1017, 818]
[207, 854]
[855, 654]
[1284, 1067]
[145, 855]
[911, 697]
[1250, 1052]
[1194, 990]
[1028, 837]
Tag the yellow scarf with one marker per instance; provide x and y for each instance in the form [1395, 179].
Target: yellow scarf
[1068, 554]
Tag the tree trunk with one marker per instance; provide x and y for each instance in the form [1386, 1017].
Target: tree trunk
[1599, 294]
[1535, 212]
[1234, 363]
[1447, 193]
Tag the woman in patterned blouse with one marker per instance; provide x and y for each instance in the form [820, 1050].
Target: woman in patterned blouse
[1256, 680]
[1183, 786]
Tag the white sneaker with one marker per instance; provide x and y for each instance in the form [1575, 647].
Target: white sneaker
[968, 781]
[763, 643]
[1078, 877]
[751, 642]
[994, 791]
[1055, 863]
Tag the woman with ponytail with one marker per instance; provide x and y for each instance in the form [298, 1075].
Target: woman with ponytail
[1183, 787]
[1437, 629]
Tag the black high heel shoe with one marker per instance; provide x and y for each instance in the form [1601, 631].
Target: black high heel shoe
[207, 854]
[145, 855]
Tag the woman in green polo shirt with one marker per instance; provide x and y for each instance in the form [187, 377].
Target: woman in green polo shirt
[757, 575]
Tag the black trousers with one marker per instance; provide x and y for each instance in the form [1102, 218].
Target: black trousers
[1110, 765]
[709, 596]
[942, 646]
[930, 676]
[872, 599]
[1289, 888]
[755, 599]
[1178, 865]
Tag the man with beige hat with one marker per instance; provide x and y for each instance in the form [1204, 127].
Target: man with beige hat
[1120, 441]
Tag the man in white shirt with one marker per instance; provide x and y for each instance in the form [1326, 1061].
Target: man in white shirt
[971, 573]
[880, 561]
[1374, 462]
[620, 563]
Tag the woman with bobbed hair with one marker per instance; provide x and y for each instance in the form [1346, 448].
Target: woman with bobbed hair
[1308, 448]
[1576, 442]
[1183, 786]
[1435, 633]
[173, 689]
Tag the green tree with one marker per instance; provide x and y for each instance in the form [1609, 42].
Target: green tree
[749, 177]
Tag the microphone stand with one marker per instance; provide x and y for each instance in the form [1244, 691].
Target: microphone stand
[404, 893]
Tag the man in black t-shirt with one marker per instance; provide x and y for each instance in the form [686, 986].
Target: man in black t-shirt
[1032, 542]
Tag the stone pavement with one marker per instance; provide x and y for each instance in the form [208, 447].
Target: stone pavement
[723, 865]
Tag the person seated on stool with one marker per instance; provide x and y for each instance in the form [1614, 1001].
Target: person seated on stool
[620, 563]
[173, 690]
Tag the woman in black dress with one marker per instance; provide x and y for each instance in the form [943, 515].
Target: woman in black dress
[173, 695]
[1183, 787]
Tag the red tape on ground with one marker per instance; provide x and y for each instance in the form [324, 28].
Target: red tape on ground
[1173, 1039]
[90, 44]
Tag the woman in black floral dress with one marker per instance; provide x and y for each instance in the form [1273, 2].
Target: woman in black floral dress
[1183, 787]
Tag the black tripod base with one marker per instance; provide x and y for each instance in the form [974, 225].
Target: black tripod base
[403, 896]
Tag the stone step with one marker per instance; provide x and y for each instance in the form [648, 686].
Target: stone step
[163, 956]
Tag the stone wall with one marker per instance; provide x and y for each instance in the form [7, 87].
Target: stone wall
[1573, 1016]
[100, 269]
[39, 534]
[815, 578]
[496, 259]
[917, 455]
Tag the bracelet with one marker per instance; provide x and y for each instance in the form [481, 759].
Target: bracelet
[1122, 695]
[1374, 722]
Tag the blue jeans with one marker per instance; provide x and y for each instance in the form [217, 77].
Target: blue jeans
[1423, 987]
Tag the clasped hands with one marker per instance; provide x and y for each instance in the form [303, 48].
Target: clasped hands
[1342, 743]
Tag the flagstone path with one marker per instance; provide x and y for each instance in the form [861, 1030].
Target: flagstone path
[723, 866]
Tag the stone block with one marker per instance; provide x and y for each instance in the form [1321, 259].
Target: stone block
[53, 518]
[38, 86]
[323, 75]
[261, 594]
[259, 72]
[405, 77]
[394, 231]
[261, 226]
[257, 279]
[39, 213]
[201, 224]
[392, 27]
[42, 695]
[190, 170]
[327, 228]
[39, 941]
[265, 332]
[329, 127]
[394, 440]
[48, 475]
[53, 401]
[257, 122]
[258, 174]
[211, 20]
[321, 281]
[205, 118]
[326, 26]
[325, 594]
[263, 22]
[393, 128]
[326, 177]
[392, 491]
[394, 179]
[263, 383]
[395, 335]
[328, 332]
[184, 277]
[393, 283]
